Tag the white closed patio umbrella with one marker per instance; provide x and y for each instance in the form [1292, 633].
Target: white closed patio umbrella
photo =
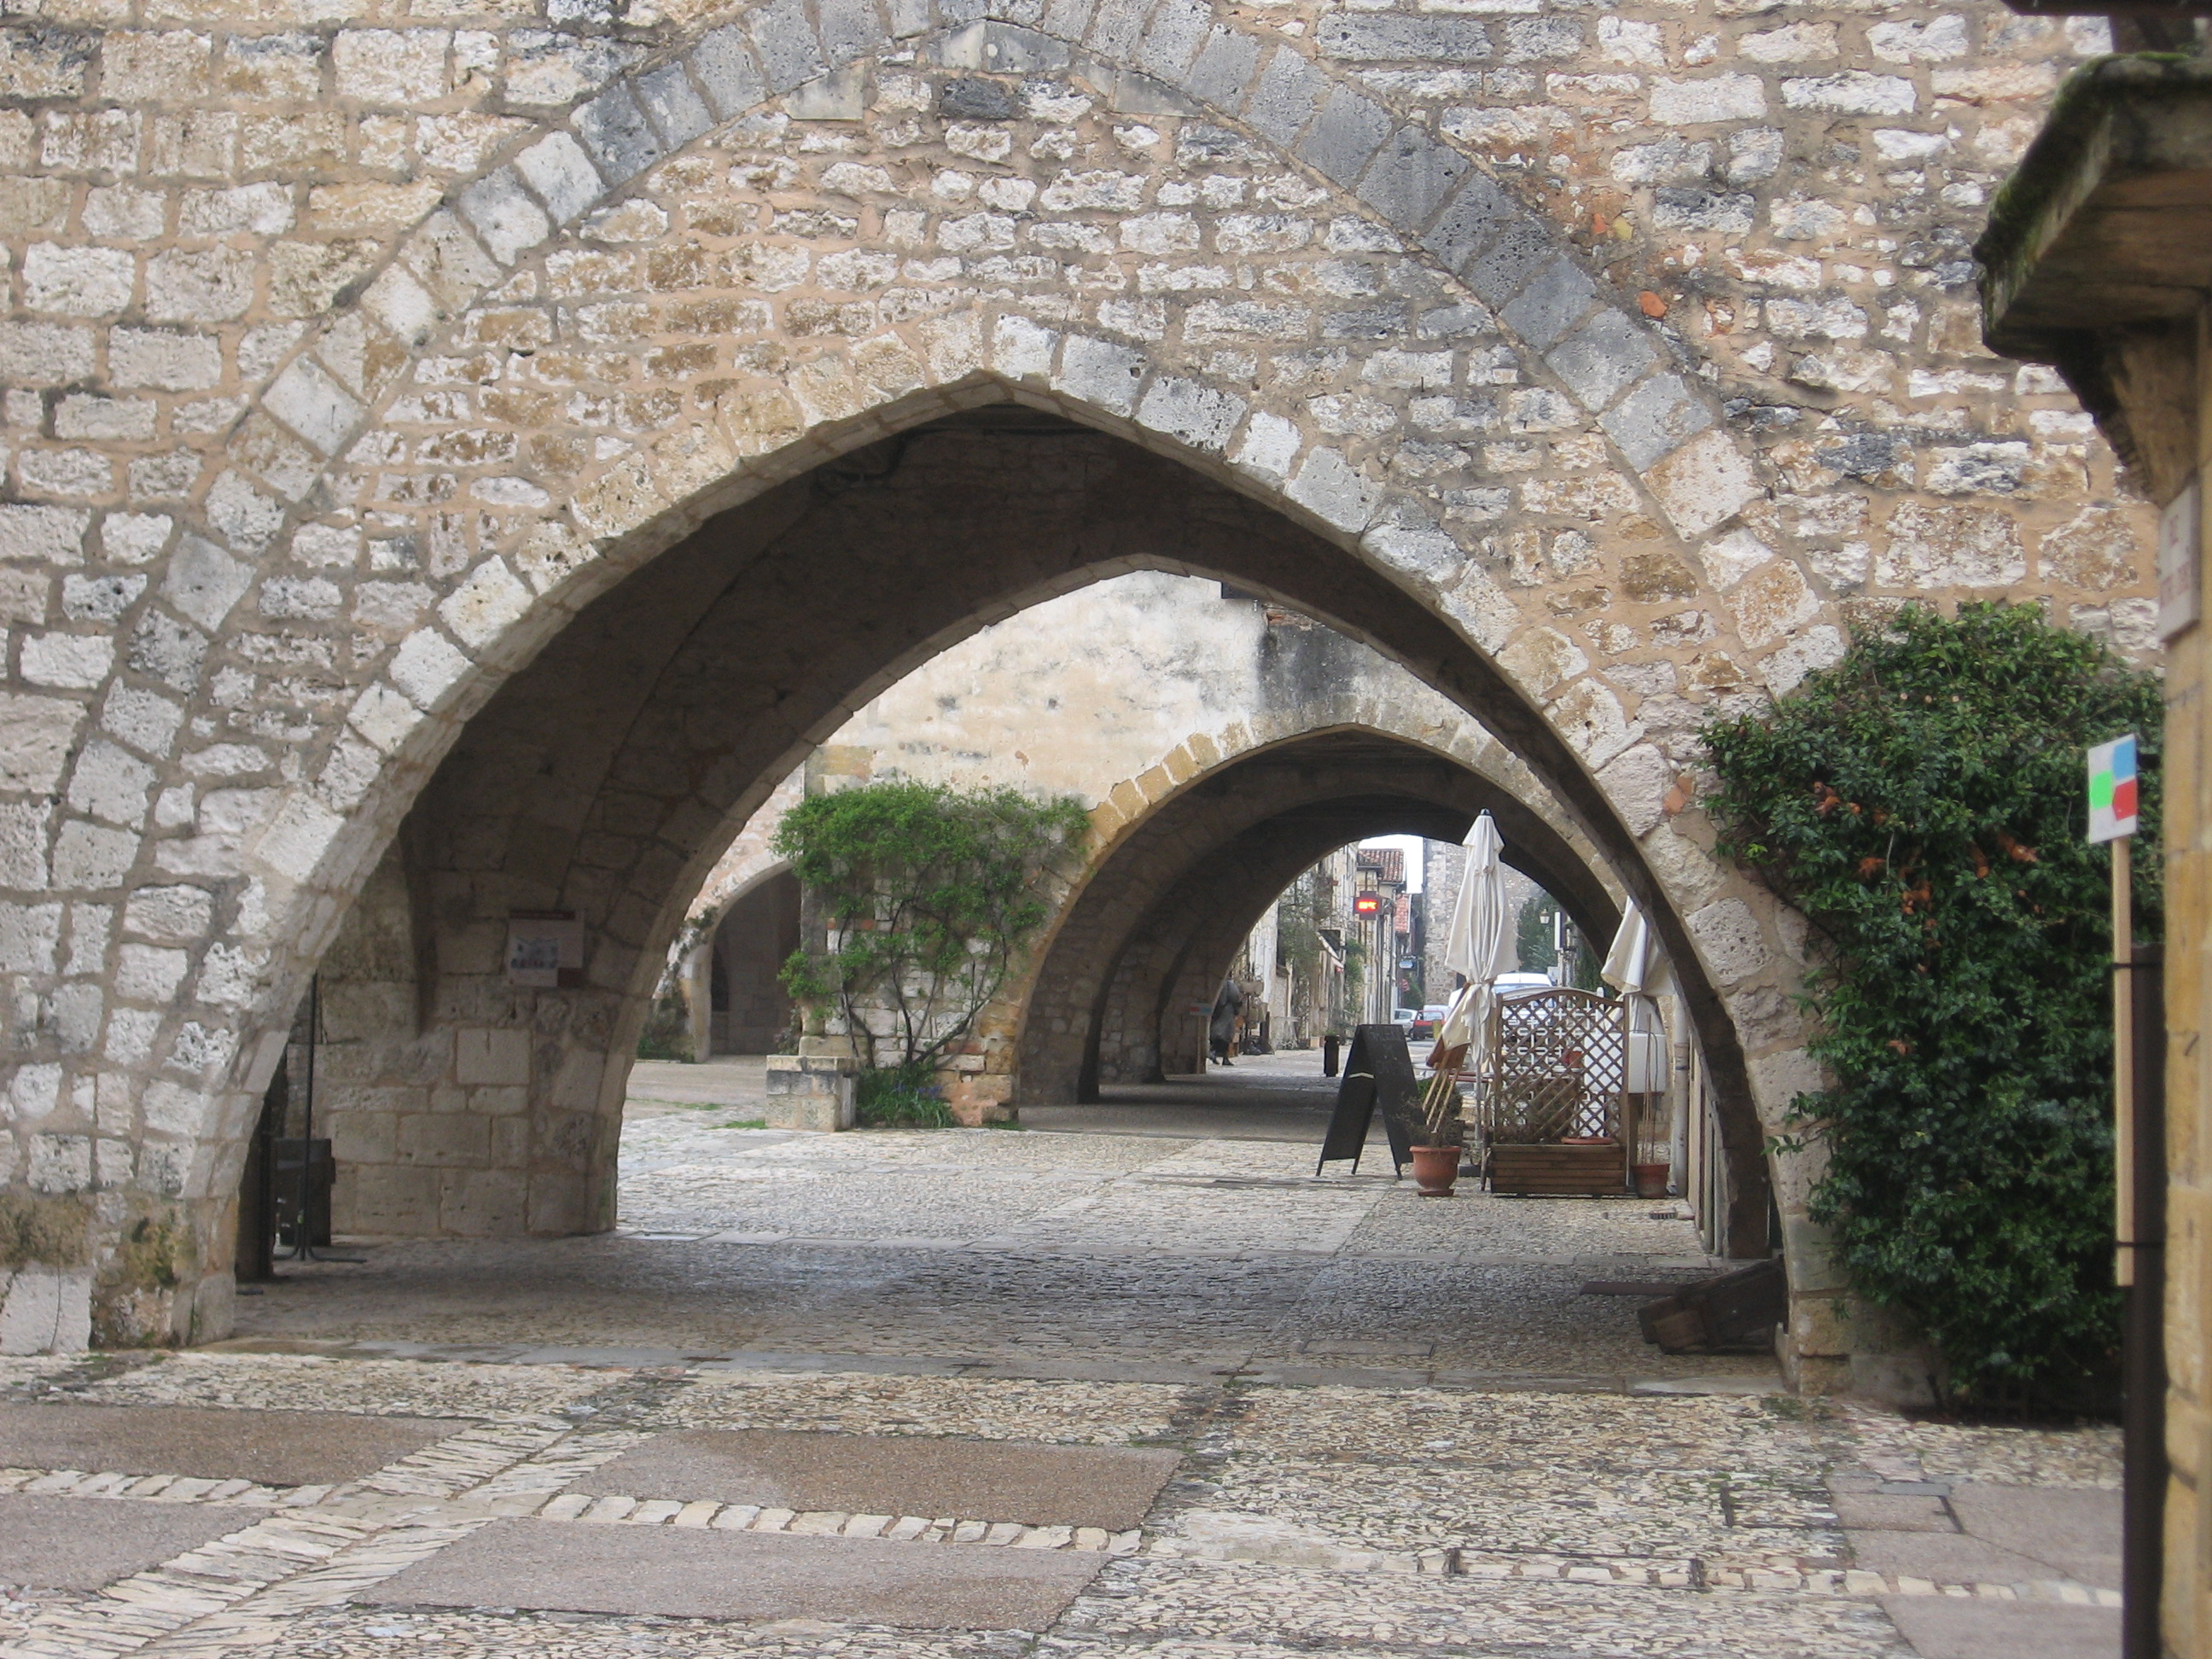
[1630, 957]
[1635, 968]
[1478, 942]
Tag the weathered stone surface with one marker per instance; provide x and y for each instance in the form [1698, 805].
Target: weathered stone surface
[371, 417]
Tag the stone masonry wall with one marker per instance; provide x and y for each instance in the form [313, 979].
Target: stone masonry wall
[348, 355]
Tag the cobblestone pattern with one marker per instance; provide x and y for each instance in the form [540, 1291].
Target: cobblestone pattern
[347, 356]
[549, 1503]
[1732, 1555]
[535, 1490]
[365, 1387]
[1092, 1254]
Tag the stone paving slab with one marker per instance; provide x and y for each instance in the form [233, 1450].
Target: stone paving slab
[1944, 1627]
[272, 1448]
[1421, 1438]
[1947, 1558]
[714, 1575]
[87, 1543]
[895, 1475]
[1893, 1513]
[1380, 1521]
[2075, 1533]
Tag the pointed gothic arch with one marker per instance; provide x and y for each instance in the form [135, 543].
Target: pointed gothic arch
[556, 383]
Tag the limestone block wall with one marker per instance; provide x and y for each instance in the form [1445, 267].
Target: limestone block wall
[429, 1119]
[1604, 363]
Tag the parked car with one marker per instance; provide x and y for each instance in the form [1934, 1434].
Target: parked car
[1512, 985]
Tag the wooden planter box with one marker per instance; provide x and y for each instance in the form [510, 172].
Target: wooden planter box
[1557, 1171]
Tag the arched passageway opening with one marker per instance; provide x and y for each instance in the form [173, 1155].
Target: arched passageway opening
[613, 328]
[601, 783]
[748, 1010]
[1153, 930]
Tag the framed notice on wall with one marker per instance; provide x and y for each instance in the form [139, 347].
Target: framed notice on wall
[545, 949]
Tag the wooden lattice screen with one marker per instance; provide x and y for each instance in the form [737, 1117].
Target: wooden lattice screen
[1552, 1069]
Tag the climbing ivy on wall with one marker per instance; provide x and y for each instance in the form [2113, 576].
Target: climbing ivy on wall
[1923, 802]
[927, 895]
[666, 1033]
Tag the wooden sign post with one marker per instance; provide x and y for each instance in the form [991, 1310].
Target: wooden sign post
[2139, 1200]
[2112, 817]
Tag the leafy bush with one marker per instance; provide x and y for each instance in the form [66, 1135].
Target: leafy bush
[927, 895]
[1923, 803]
[901, 1096]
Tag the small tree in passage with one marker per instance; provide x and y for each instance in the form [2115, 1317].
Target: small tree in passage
[1923, 802]
[926, 896]
[1532, 935]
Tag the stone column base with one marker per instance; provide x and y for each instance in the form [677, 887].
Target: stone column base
[978, 1097]
[1839, 1345]
[811, 1092]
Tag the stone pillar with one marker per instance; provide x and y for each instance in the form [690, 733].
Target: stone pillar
[2071, 282]
[695, 983]
[813, 1090]
[1184, 1030]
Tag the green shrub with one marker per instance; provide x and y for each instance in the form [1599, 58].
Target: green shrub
[929, 894]
[901, 1096]
[1923, 803]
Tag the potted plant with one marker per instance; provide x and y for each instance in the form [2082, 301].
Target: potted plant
[1435, 1161]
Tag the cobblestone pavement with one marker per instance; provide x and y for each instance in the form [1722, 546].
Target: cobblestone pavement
[1146, 1252]
[1401, 1432]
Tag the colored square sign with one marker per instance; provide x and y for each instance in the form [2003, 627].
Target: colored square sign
[2112, 789]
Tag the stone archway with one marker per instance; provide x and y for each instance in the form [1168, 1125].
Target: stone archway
[732, 1001]
[547, 389]
[1153, 928]
[602, 773]
[1091, 694]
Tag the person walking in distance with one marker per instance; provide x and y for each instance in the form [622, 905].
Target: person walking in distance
[1222, 1029]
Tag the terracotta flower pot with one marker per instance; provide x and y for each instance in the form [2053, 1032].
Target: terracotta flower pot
[1650, 1179]
[1436, 1168]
